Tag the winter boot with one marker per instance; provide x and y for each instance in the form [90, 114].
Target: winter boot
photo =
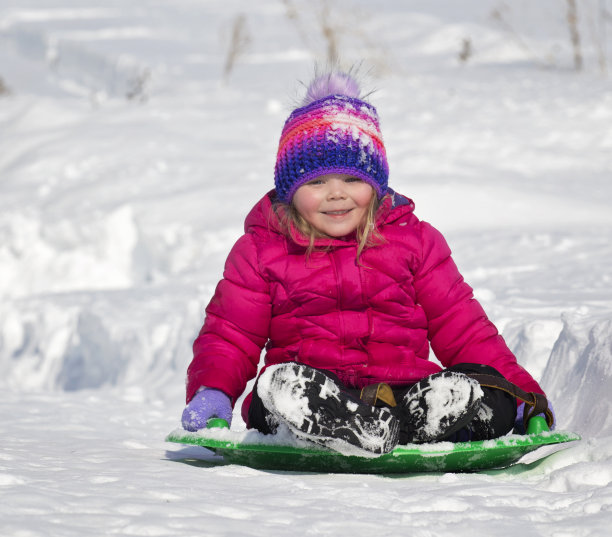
[315, 408]
[480, 428]
[438, 406]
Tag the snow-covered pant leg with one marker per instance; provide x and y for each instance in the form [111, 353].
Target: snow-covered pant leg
[497, 412]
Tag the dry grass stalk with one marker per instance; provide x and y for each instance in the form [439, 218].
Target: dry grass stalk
[239, 42]
[572, 22]
[4, 89]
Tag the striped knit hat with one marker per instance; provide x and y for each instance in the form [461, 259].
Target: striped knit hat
[333, 132]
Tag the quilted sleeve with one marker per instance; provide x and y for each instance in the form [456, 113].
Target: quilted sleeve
[458, 328]
[228, 348]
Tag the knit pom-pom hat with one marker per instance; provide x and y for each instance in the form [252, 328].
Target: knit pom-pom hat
[334, 131]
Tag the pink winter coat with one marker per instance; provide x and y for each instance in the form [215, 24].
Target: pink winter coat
[368, 322]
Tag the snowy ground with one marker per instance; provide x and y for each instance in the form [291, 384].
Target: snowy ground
[126, 168]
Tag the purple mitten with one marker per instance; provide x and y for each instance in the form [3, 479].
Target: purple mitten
[207, 403]
[519, 427]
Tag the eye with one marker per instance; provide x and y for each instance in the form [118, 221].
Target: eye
[353, 180]
[315, 182]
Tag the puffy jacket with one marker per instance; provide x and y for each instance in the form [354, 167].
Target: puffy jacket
[368, 321]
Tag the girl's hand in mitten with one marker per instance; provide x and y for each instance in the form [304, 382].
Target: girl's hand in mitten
[519, 427]
[207, 403]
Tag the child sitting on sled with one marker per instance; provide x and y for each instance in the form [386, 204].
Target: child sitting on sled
[347, 289]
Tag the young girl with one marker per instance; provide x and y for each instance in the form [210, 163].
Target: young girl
[346, 288]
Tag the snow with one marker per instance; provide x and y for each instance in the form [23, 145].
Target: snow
[127, 166]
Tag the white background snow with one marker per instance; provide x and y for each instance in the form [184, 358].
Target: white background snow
[127, 165]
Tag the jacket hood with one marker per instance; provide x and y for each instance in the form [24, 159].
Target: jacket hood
[266, 217]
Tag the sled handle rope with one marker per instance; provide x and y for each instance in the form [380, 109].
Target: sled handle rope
[535, 403]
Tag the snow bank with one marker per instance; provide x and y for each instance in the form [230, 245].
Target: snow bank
[87, 341]
[578, 375]
[64, 255]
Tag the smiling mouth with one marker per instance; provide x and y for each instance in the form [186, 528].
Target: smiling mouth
[337, 213]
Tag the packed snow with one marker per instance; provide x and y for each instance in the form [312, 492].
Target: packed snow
[134, 138]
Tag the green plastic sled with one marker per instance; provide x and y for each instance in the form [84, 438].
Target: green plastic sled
[442, 457]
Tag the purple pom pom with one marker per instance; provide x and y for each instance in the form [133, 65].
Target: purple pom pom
[331, 84]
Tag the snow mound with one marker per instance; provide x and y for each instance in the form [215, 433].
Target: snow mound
[578, 376]
[66, 256]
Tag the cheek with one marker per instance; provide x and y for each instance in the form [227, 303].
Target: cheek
[305, 202]
[364, 197]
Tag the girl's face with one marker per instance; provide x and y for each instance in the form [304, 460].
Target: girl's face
[334, 204]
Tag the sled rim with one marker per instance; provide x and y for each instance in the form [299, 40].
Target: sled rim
[443, 457]
[513, 441]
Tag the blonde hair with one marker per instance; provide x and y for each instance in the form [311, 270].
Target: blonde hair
[367, 233]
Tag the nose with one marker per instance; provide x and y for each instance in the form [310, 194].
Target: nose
[336, 189]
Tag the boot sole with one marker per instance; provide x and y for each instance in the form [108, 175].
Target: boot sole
[315, 408]
[441, 404]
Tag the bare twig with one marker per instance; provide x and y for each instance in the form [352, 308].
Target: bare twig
[330, 32]
[572, 22]
[136, 90]
[293, 15]
[601, 39]
[466, 50]
[4, 89]
[239, 42]
[499, 16]
[327, 23]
